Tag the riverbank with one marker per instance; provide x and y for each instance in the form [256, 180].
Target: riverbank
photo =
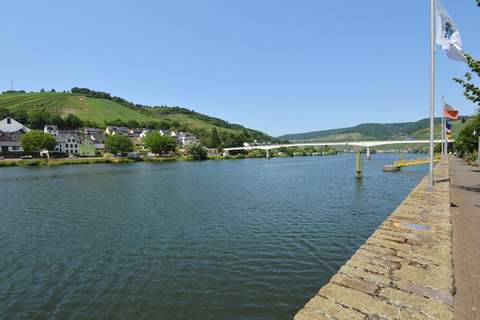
[112, 160]
[59, 162]
[404, 270]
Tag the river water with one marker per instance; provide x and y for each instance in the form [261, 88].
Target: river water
[243, 239]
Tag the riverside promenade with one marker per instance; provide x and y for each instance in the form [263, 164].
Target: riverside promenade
[465, 187]
[404, 270]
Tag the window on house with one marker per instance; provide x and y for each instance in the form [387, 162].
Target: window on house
[9, 121]
[76, 145]
[68, 140]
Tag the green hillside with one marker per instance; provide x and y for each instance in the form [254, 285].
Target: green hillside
[96, 111]
[376, 131]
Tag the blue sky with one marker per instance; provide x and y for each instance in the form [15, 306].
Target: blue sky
[275, 65]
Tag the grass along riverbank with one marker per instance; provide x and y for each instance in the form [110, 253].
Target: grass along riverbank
[59, 162]
[114, 160]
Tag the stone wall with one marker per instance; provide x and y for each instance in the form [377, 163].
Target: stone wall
[403, 271]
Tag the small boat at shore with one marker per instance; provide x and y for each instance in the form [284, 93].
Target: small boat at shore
[391, 168]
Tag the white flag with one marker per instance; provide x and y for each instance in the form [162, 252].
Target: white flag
[448, 35]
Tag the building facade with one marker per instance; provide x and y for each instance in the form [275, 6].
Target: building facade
[11, 132]
[67, 142]
[10, 142]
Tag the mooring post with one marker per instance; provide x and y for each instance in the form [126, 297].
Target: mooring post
[358, 164]
[369, 157]
[268, 153]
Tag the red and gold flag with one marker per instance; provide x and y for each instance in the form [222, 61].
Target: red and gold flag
[449, 112]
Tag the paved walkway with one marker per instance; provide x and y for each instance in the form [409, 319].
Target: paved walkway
[465, 199]
[403, 271]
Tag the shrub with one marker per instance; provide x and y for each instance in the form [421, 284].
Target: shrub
[197, 152]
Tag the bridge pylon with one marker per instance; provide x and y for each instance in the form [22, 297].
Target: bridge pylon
[358, 164]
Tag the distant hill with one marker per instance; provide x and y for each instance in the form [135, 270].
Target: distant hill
[101, 109]
[375, 131]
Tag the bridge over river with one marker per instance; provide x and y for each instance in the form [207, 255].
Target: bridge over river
[362, 144]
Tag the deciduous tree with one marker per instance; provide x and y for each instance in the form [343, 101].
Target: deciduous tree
[465, 141]
[214, 141]
[158, 143]
[35, 141]
[118, 144]
[471, 91]
[71, 121]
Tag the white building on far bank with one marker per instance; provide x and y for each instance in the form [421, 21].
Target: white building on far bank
[9, 125]
[67, 142]
[52, 129]
[11, 132]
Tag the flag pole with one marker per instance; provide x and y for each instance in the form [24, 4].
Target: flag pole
[432, 90]
[444, 131]
[445, 148]
[443, 134]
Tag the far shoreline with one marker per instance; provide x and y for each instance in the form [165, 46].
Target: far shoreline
[43, 162]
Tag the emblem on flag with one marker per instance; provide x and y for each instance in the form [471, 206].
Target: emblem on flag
[448, 35]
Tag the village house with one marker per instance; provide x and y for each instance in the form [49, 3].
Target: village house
[137, 132]
[89, 130]
[182, 138]
[10, 142]
[185, 138]
[52, 129]
[144, 133]
[10, 125]
[67, 142]
[11, 132]
[95, 138]
[164, 132]
[137, 135]
[113, 130]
